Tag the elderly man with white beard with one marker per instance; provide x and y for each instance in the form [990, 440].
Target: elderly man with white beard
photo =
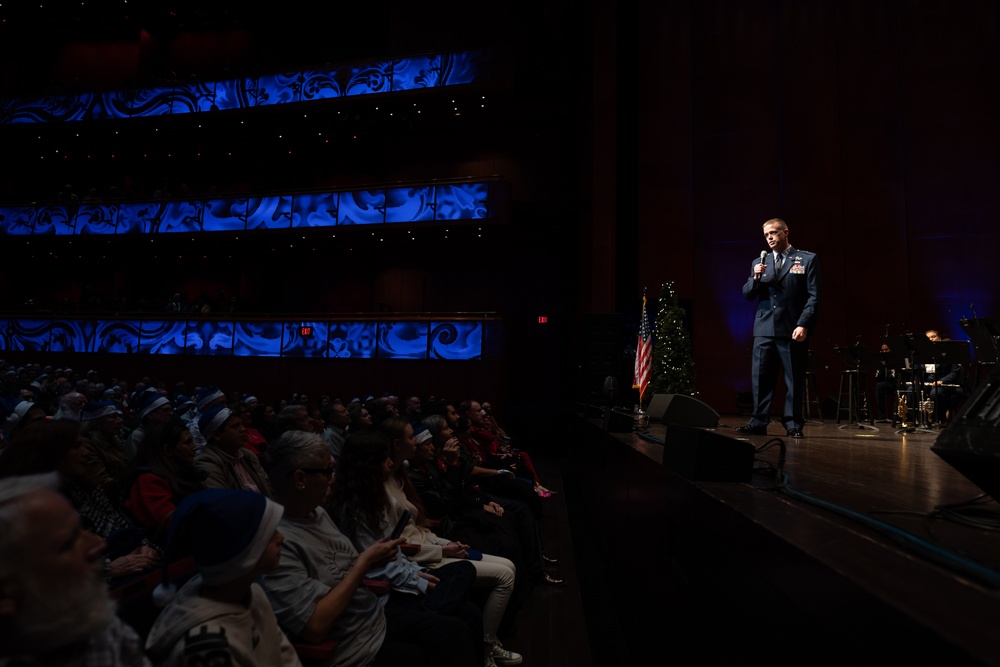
[54, 604]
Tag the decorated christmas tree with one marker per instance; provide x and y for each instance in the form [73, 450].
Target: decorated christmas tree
[673, 367]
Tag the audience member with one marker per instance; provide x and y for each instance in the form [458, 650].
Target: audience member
[54, 604]
[226, 463]
[358, 503]
[253, 439]
[361, 419]
[317, 591]
[460, 466]
[161, 475]
[152, 408]
[221, 615]
[339, 422]
[54, 445]
[104, 457]
[497, 453]
[459, 509]
[293, 417]
[494, 573]
[24, 413]
[262, 418]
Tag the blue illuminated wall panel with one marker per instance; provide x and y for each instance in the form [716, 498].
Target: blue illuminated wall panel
[352, 340]
[28, 335]
[402, 340]
[161, 337]
[356, 339]
[117, 337]
[397, 205]
[257, 339]
[269, 212]
[456, 340]
[367, 78]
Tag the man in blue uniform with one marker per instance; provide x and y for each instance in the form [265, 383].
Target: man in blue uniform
[785, 281]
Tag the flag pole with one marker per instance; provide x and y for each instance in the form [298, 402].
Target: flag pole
[643, 355]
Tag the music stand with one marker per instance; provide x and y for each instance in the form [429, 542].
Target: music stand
[951, 352]
[984, 332]
[919, 352]
[855, 357]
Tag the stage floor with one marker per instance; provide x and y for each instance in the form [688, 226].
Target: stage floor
[877, 506]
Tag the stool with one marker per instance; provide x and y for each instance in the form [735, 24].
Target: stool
[810, 397]
[852, 385]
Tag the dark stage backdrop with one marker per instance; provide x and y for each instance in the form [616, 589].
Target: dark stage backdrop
[871, 127]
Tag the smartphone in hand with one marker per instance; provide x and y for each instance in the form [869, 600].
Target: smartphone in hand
[400, 525]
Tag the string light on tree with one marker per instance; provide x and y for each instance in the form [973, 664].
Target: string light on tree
[673, 365]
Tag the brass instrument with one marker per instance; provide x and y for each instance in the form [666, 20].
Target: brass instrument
[927, 408]
[902, 409]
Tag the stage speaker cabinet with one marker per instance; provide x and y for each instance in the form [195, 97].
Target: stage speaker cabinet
[706, 456]
[681, 409]
[971, 442]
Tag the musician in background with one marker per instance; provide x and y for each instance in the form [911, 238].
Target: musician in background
[942, 382]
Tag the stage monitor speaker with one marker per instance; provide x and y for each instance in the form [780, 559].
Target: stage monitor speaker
[681, 409]
[971, 442]
[707, 456]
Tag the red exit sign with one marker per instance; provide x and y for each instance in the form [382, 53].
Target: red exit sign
[305, 332]
[542, 319]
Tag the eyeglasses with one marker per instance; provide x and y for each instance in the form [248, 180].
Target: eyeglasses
[328, 471]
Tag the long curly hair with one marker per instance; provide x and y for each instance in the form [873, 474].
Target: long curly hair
[357, 498]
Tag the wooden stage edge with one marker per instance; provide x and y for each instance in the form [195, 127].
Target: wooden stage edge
[872, 505]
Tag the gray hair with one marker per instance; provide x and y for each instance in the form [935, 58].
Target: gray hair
[291, 451]
[286, 416]
[435, 424]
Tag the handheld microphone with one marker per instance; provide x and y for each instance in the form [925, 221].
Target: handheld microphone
[763, 255]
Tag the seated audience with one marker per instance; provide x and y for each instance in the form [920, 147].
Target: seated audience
[497, 453]
[493, 573]
[361, 419]
[54, 604]
[100, 426]
[253, 439]
[317, 591]
[24, 413]
[152, 408]
[262, 418]
[459, 470]
[54, 445]
[358, 503]
[226, 463]
[161, 475]
[221, 615]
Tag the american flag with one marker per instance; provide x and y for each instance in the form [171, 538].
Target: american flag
[643, 354]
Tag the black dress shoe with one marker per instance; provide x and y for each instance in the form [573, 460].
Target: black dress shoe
[752, 430]
[550, 561]
[795, 433]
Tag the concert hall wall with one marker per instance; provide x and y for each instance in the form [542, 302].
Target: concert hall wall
[872, 128]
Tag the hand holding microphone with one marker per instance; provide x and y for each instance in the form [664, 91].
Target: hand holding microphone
[758, 270]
